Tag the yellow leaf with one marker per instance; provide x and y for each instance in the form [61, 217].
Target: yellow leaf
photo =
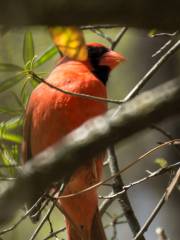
[70, 41]
[161, 162]
[152, 32]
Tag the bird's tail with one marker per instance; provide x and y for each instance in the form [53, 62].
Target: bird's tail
[96, 231]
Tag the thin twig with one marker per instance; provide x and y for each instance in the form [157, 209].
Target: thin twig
[166, 44]
[42, 222]
[105, 26]
[151, 175]
[165, 34]
[50, 224]
[47, 215]
[161, 130]
[151, 72]
[22, 218]
[53, 234]
[115, 221]
[168, 135]
[168, 143]
[161, 202]
[100, 33]
[107, 202]
[87, 96]
[118, 37]
[151, 217]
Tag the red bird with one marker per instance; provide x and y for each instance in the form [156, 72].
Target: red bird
[51, 115]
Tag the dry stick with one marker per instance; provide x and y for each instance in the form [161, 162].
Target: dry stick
[50, 224]
[99, 99]
[109, 199]
[166, 44]
[114, 42]
[105, 26]
[118, 37]
[22, 218]
[113, 224]
[168, 135]
[168, 143]
[113, 163]
[47, 215]
[156, 173]
[42, 222]
[165, 34]
[163, 199]
[151, 217]
[100, 33]
[53, 234]
[151, 72]
[162, 131]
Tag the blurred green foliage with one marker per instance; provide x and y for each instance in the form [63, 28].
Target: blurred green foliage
[11, 129]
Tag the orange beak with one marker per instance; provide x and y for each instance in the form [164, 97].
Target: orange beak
[111, 59]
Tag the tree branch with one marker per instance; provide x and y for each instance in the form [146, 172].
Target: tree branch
[123, 199]
[143, 14]
[61, 160]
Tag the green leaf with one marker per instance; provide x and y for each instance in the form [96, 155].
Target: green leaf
[45, 56]
[8, 67]
[161, 162]
[34, 83]
[9, 156]
[9, 111]
[11, 137]
[28, 47]
[10, 82]
[13, 123]
[18, 100]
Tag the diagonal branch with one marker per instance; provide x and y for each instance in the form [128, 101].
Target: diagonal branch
[62, 159]
[158, 207]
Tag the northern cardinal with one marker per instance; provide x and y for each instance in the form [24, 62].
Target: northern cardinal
[51, 115]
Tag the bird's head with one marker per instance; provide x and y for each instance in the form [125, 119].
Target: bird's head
[103, 60]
